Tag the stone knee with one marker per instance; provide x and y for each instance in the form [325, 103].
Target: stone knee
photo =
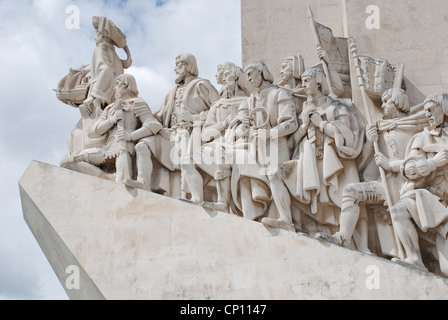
[142, 149]
[399, 213]
[187, 163]
[274, 175]
[351, 196]
[144, 163]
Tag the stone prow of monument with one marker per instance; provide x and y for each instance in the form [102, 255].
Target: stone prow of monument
[133, 244]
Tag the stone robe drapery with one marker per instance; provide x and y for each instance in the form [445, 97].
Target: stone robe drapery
[425, 194]
[197, 98]
[133, 111]
[322, 169]
[217, 156]
[106, 67]
[250, 183]
[393, 138]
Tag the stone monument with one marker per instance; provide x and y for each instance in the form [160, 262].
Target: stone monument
[326, 181]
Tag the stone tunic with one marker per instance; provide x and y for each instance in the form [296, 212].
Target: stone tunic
[254, 157]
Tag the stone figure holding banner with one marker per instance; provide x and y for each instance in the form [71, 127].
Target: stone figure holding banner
[328, 143]
[392, 132]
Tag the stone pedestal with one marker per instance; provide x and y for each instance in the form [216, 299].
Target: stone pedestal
[132, 244]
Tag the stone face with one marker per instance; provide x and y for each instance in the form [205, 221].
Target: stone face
[132, 244]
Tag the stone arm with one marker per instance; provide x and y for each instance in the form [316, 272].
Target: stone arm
[287, 120]
[335, 79]
[304, 123]
[104, 124]
[329, 128]
[336, 82]
[213, 129]
[209, 95]
[396, 165]
[242, 120]
[150, 126]
[163, 112]
[418, 165]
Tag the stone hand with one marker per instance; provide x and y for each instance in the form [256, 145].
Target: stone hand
[309, 108]
[238, 119]
[185, 116]
[441, 159]
[316, 119]
[123, 135]
[229, 120]
[86, 108]
[246, 120]
[117, 116]
[322, 53]
[382, 161]
[372, 134]
[165, 133]
[262, 134]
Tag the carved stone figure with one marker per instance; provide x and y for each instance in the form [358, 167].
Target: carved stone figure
[182, 115]
[222, 67]
[266, 119]
[291, 71]
[123, 123]
[105, 66]
[393, 132]
[328, 142]
[94, 92]
[215, 157]
[424, 198]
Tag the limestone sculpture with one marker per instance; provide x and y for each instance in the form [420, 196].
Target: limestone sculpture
[326, 146]
[424, 196]
[266, 119]
[92, 90]
[106, 65]
[295, 155]
[215, 157]
[182, 115]
[122, 124]
[393, 132]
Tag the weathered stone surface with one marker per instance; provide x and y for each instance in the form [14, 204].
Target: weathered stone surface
[132, 244]
[409, 32]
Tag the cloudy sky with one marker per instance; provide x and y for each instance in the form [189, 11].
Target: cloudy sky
[37, 51]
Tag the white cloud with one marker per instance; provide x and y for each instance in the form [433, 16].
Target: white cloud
[38, 50]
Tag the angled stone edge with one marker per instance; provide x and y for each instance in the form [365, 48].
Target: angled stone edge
[132, 244]
[58, 254]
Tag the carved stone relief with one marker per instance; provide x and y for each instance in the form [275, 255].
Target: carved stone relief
[294, 155]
